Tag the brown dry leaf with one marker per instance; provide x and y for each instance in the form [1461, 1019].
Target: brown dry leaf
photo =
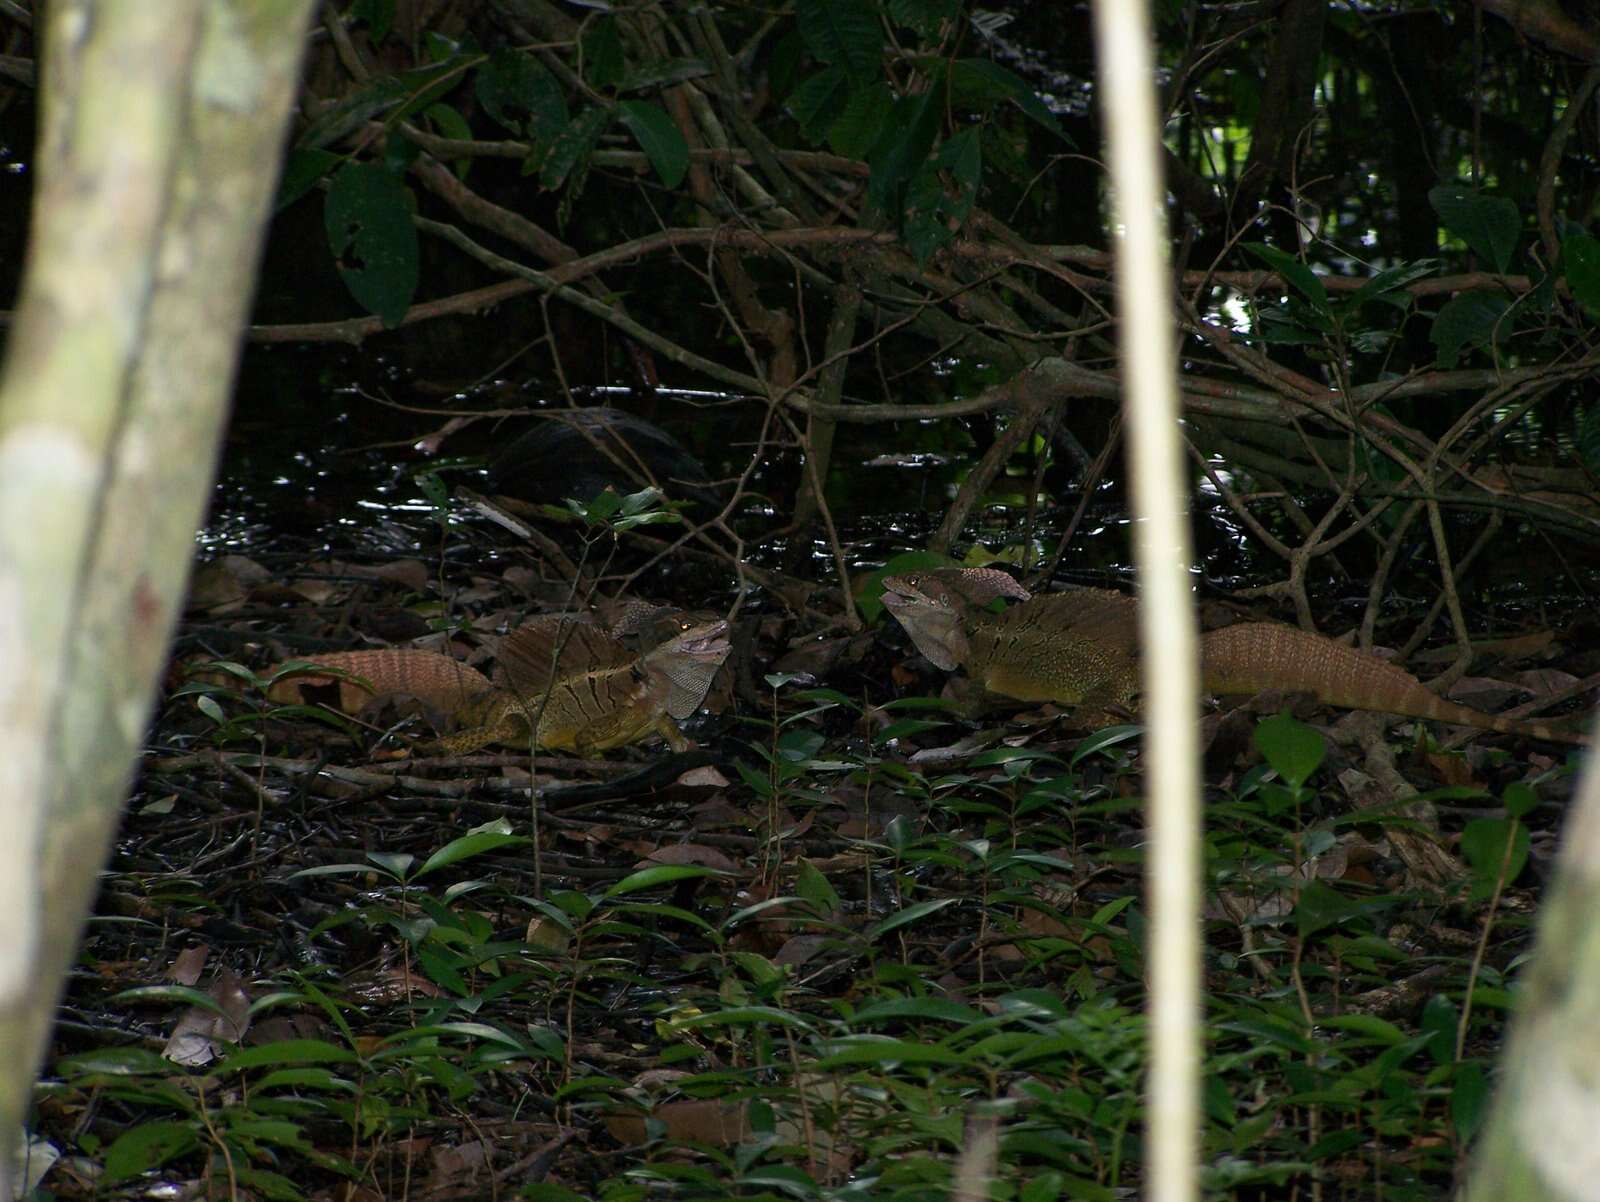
[690, 853]
[382, 986]
[547, 935]
[800, 949]
[224, 585]
[410, 574]
[1453, 770]
[703, 1120]
[704, 778]
[1542, 682]
[186, 968]
[718, 813]
[280, 1027]
[457, 1167]
[195, 1038]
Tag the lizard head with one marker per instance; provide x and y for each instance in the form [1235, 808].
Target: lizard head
[934, 607]
[688, 658]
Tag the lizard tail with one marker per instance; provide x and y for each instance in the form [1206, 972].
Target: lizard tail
[1253, 656]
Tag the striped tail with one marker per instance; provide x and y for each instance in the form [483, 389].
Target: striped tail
[1254, 656]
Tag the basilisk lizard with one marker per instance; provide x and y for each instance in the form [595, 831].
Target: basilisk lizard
[571, 684]
[1080, 647]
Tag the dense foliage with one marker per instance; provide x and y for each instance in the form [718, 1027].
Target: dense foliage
[869, 953]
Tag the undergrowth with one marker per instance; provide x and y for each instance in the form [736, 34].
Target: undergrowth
[883, 970]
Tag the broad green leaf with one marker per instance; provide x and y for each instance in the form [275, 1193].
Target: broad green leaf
[1496, 849]
[812, 885]
[367, 214]
[118, 1062]
[147, 1146]
[844, 34]
[929, 18]
[571, 148]
[658, 137]
[817, 103]
[519, 92]
[1519, 799]
[653, 77]
[872, 1050]
[301, 171]
[602, 55]
[915, 123]
[378, 14]
[287, 1052]
[911, 914]
[1587, 438]
[488, 837]
[988, 78]
[1469, 1100]
[665, 874]
[1580, 261]
[1490, 225]
[1320, 907]
[1293, 749]
[897, 1010]
[1469, 319]
[861, 125]
[1302, 278]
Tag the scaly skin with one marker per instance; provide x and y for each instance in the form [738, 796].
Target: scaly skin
[573, 687]
[1080, 647]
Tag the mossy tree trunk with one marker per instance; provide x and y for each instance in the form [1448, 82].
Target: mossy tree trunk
[161, 132]
[1539, 1144]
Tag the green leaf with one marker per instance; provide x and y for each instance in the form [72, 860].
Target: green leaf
[817, 103]
[602, 55]
[1469, 1100]
[367, 215]
[845, 34]
[301, 171]
[1496, 849]
[378, 14]
[1580, 263]
[116, 1062]
[929, 18]
[653, 77]
[1389, 286]
[1293, 749]
[916, 118]
[366, 102]
[861, 125]
[570, 151]
[664, 874]
[1301, 277]
[1319, 907]
[147, 1146]
[815, 888]
[519, 92]
[1108, 736]
[912, 913]
[1519, 799]
[1469, 319]
[984, 78]
[285, 1052]
[488, 837]
[658, 137]
[1440, 1017]
[942, 194]
[876, 1050]
[1490, 225]
[1587, 439]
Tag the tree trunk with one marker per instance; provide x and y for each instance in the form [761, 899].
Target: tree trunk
[160, 139]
